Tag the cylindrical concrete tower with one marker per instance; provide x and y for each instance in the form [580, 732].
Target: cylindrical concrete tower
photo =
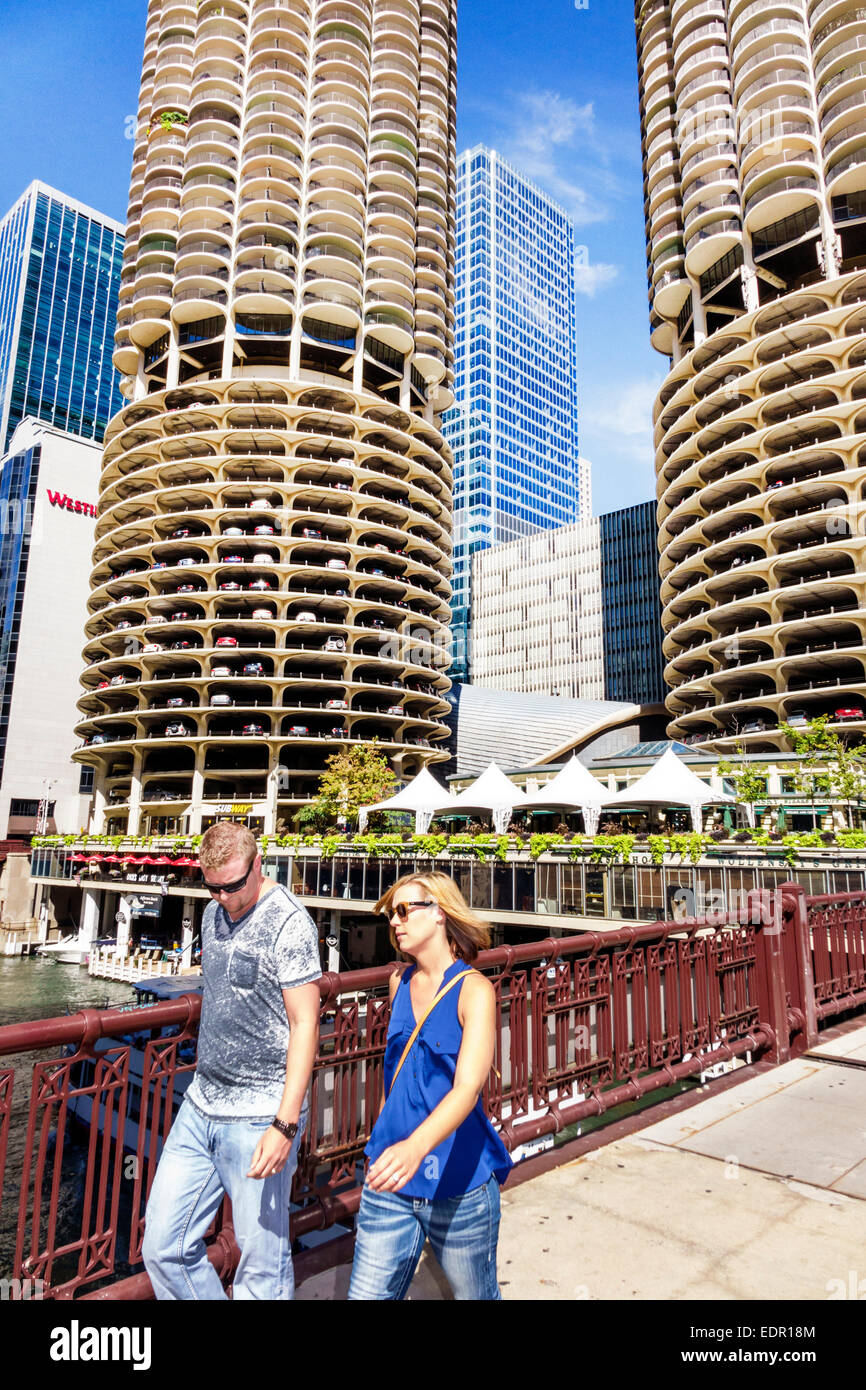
[754, 135]
[271, 571]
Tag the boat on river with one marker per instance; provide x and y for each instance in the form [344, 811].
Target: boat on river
[69, 950]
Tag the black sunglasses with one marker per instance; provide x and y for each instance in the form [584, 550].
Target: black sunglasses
[228, 887]
[402, 910]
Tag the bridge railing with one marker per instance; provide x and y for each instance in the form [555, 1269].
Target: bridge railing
[583, 1023]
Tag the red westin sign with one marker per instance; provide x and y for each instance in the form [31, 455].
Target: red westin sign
[59, 499]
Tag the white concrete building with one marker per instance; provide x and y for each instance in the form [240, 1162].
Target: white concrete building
[284, 335]
[49, 483]
[537, 614]
[754, 150]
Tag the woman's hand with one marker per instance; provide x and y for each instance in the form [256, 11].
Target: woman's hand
[395, 1166]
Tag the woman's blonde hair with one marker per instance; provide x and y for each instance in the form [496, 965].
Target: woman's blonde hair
[467, 933]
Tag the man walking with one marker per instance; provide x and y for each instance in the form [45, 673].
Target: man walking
[241, 1121]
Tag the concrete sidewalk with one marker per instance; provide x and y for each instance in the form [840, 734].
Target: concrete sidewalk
[758, 1192]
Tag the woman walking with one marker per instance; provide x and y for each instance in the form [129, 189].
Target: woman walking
[436, 1160]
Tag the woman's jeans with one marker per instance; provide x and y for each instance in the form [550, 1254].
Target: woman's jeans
[202, 1160]
[463, 1232]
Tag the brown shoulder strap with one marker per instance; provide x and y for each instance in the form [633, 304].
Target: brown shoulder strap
[423, 1019]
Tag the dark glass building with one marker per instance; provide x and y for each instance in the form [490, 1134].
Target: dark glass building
[59, 284]
[631, 608]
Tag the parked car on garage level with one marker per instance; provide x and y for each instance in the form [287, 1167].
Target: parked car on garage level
[847, 712]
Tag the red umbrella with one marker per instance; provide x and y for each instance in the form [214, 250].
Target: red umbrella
[187, 863]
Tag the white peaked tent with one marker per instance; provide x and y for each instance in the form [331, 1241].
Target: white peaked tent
[572, 789]
[492, 793]
[423, 795]
[669, 783]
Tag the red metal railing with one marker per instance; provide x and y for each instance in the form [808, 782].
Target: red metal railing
[583, 1024]
[832, 930]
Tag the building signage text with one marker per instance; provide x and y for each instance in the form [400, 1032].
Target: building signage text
[71, 504]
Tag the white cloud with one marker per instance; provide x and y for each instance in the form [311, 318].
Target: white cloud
[548, 137]
[623, 411]
[590, 278]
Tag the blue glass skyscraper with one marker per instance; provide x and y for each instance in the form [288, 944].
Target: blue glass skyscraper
[513, 428]
[59, 284]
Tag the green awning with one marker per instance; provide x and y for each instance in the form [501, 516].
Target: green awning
[806, 808]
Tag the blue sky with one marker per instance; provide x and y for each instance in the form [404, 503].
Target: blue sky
[551, 86]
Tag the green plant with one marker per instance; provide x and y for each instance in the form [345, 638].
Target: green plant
[540, 844]
[432, 845]
[657, 848]
[330, 845]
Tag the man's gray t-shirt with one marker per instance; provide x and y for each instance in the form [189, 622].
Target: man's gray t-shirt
[244, 1031]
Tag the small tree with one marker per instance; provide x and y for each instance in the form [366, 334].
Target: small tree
[829, 765]
[848, 776]
[355, 777]
[750, 785]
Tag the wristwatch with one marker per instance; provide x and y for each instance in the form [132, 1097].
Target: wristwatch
[286, 1127]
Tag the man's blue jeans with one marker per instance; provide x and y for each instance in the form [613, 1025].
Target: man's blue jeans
[391, 1231]
[202, 1160]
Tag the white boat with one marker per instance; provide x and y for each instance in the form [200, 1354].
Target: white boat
[68, 951]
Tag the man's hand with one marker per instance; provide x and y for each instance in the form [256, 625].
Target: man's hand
[271, 1155]
[395, 1166]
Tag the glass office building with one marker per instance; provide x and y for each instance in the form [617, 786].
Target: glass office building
[59, 284]
[513, 428]
[631, 606]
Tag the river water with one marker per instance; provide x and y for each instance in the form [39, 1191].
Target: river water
[34, 988]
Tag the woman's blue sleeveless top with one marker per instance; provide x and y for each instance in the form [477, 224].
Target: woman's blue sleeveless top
[474, 1152]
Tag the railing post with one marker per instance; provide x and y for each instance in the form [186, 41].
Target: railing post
[798, 956]
[772, 996]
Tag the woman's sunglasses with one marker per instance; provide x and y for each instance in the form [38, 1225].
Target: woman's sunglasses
[402, 910]
[228, 887]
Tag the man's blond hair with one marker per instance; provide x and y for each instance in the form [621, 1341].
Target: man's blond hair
[223, 842]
